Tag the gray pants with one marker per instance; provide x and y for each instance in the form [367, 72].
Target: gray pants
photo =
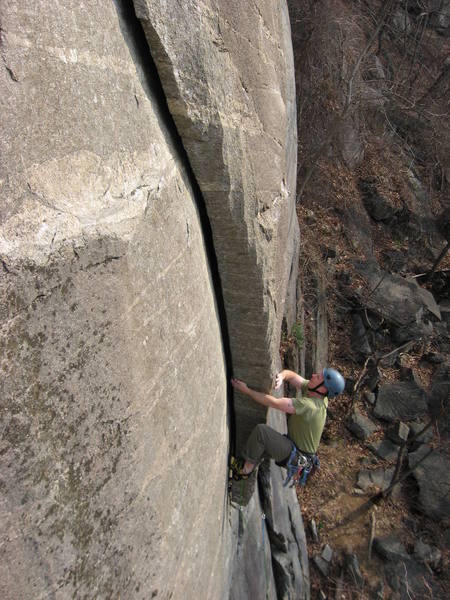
[265, 442]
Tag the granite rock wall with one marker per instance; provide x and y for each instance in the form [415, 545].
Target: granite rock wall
[116, 336]
[228, 76]
[109, 329]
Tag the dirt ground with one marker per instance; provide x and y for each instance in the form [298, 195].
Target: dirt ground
[331, 497]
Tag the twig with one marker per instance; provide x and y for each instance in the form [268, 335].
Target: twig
[406, 345]
[368, 320]
[363, 372]
[358, 382]
[398, 466]
[422, 431]
[372, 534]
[378, 285]
[406, 582]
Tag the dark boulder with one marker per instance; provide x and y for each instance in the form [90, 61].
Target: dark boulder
[360, 340]
[384, 449]
[360, 425]
[412, 331]
[410, 579]
[390, 548]
[401, 302]
[427, 554]
[377, 478]
[405, 401]
[377, 206]
[432, 475]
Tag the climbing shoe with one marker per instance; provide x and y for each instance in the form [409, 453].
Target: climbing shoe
[236, 469]
[241, 486]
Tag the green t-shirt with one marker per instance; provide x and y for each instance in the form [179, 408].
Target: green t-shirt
[306, 425]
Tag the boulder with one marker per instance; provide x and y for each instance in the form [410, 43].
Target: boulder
[370, 398]
[415, 429]
[360, 425]
[327, 553]
[390, 548]
[360, 341]
[405, 400]
[378, 478]
[434, 358]
[401, 21]
[432, 475]
[384, 449]
[322, 565]
[357, 225]
[349, 140]
[378, 208]
[400, 301]
[410, 579]
[412, 331]
[442, 337]
[427, 554]
[440, 16]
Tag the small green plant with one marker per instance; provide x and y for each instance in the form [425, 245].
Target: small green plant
[297, 334]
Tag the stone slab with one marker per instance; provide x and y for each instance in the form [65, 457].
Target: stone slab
[405, 401]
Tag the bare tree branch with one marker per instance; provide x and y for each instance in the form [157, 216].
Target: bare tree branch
[383, 14]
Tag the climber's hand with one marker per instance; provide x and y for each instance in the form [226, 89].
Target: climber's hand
[279, 380]
[239, 385]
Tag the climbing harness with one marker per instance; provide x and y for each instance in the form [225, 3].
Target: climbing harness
[299, 466]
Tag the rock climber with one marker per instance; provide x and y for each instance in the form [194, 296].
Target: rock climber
[307, 414]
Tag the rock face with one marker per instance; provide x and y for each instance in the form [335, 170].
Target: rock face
[224, 74]
[110, 319]
[113, 349]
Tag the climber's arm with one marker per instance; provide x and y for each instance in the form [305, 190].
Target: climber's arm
[283, 404]
[291, 377]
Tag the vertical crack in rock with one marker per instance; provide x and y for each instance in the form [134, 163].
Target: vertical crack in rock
[142, 57]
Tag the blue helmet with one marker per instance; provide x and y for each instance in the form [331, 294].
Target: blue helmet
[334, 382]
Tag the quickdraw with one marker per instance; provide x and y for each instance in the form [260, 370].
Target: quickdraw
[299, 467]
